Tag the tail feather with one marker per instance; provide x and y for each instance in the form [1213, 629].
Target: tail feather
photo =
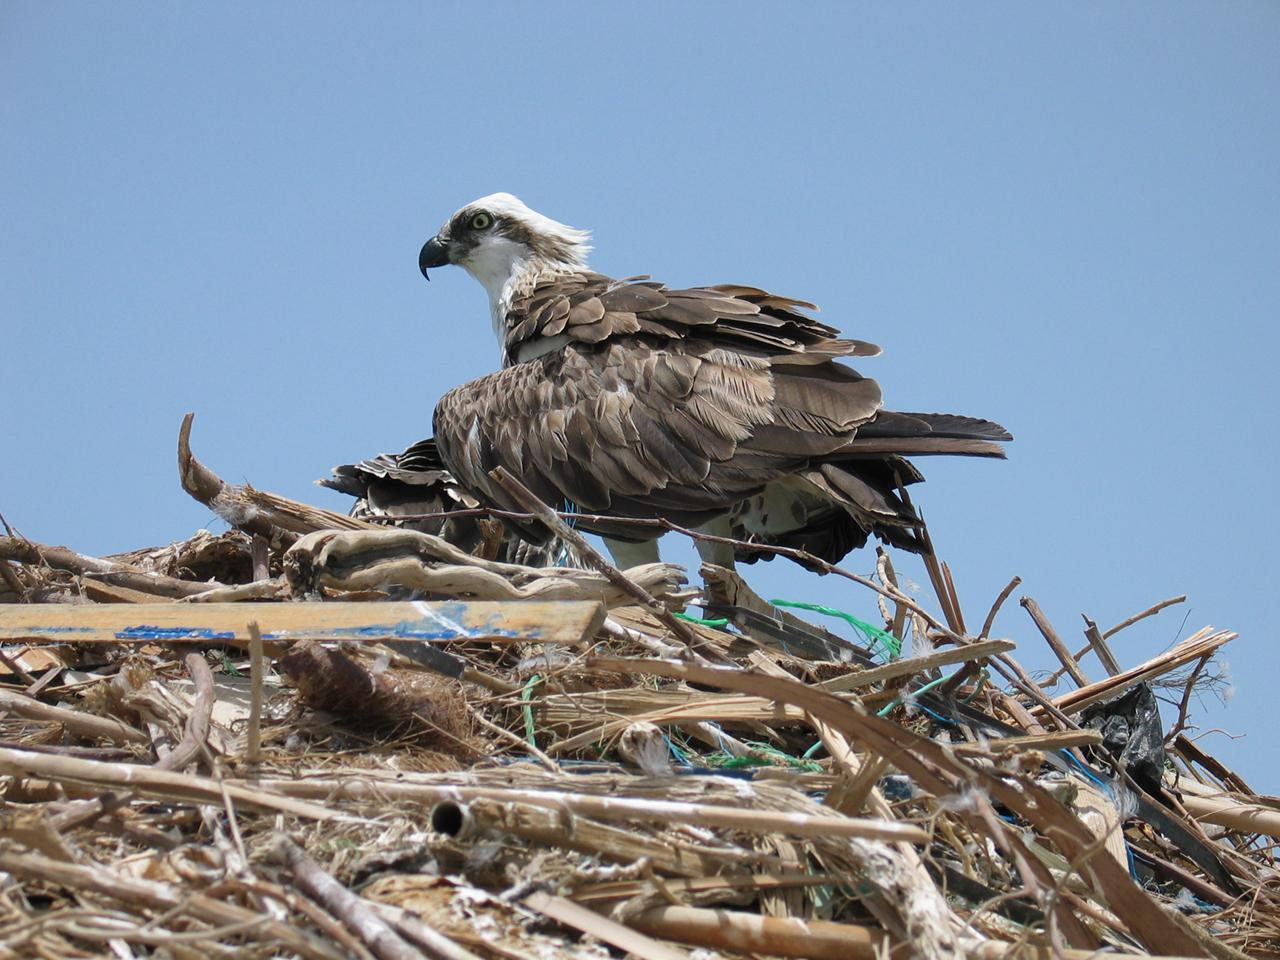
[889, 423]
[862, 446]
[860, 486]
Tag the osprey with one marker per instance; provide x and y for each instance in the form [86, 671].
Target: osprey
[722, 407]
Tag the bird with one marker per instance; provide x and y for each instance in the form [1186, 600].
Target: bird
[725, 408]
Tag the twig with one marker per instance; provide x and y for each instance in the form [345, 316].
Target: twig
[602, 928]
[272, 589]
[1181, 723]
[17, 668]
[1055, 642]
[150, 782]
[1099, 645]
[970, 670]
[260, 554]
[253, 751]
[381, 939]
[413, 927]
[914, 665]
[109, 754]
[515, 740]
[10, 578]
[60, 558]
[1130, 621]
[196, 731]
[995, 607]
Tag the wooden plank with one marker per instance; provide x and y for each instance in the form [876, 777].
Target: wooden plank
[567, 622]
[103, 592]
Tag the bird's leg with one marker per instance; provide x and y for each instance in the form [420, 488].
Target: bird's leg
[627, 554]
[721, 554]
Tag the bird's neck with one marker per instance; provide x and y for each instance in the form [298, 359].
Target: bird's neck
[523, 275]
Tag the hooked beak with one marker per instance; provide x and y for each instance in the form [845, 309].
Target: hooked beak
[435, 253]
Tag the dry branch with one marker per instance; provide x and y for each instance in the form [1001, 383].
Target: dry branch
[75, 721]
[381, 939]
[120, 574]
[278, 519]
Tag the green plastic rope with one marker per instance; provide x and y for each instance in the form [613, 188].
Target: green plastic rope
[891, 644]
[527, 709]
[714, 622]
[915, 693]
[724, 761]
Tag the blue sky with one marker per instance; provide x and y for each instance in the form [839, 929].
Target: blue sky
[1063, 217]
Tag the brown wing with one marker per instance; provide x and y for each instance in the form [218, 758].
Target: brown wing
[683, 429]
[683, 404]
[591, 308]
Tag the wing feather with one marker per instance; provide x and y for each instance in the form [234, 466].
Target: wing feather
[688, 403]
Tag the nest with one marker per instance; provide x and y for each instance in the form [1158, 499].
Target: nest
[569, 768]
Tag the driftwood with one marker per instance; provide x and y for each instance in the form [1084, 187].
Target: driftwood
[386, 559]
[279, 519]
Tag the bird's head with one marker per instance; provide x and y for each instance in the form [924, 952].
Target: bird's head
[497, 237]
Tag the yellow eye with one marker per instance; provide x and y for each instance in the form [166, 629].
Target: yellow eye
[481, 221]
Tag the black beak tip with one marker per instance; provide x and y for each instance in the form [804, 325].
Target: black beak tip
[434, 254]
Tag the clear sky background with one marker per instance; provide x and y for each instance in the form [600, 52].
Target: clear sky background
[1063, 217]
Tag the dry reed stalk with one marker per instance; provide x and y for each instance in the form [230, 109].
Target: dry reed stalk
[1055, 642]
[617, 808]
[150, 782]
[253, 737]
[718, 708]
[75, 721]
[1246, 817]
[774, 936]
[914, 665]
[602, 928]
[616, 890]
[549, 827]
[1202, 642]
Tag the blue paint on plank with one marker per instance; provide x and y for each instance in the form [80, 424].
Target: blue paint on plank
[36, 631]
[143, 632]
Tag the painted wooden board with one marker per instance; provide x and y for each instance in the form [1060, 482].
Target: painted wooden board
[567, 622]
